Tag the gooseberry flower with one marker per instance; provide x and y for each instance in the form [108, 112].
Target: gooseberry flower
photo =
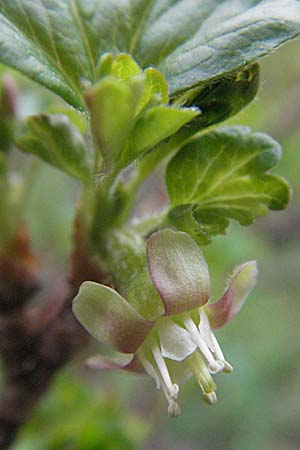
[181, 340]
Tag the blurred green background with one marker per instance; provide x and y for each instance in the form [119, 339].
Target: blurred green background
[259, 404]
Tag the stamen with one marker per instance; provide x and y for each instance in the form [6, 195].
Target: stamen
[149, 368]
[219, 354]
[212, 342]
[214, 366]
[210, 398]
[171, 392]
[170, 389]
[173, 409]
[162, 368]
[201, 373]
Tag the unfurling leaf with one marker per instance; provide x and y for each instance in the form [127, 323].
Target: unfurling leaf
[155, 88]
[112, 104]
[57, 141]
[129, 115]
[124, 67]
[157, 124]
[224, 175]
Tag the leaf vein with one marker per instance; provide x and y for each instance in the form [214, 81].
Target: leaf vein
[84, 37]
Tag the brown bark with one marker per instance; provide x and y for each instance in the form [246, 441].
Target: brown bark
[35, 341]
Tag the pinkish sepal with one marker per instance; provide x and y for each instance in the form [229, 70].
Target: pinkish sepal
[127, 362]
[240, 284]
[178, 270]
[109, 317]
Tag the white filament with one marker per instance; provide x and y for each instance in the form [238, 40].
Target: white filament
[212, 342]
[149, 368]
[173, 389]
[213, 365]
[160, 373]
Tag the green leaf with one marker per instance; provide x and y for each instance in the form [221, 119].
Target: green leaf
[229, 36]
[155, 125]
[121, 130]
[124, 67]
[155, 88]
[60, 43]
[77, 118]
[54, 139]
[221, 175]
[223, 97]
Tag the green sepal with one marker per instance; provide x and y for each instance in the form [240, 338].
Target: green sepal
[224, 175]
[54, 139]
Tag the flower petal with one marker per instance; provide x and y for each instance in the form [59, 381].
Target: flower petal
[239, 287]
[178, 270]
[175, 342]
[128, 362]
[109, 317]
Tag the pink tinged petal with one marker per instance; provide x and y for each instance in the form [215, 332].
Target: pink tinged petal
[240, 284]
[109, 317]
[178, 271]
[175, 342]
[129, 362]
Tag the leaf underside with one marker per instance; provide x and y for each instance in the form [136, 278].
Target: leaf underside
[222, 175]
[59, 44]
[54, 139]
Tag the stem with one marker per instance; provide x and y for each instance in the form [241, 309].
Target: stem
[27, 185]
[32, 353]
[128, 194]
[105, 211]
[5, 222]
[148, 224]
[114, 200]
[147, 164]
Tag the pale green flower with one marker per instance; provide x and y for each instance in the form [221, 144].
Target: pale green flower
[180, 342]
